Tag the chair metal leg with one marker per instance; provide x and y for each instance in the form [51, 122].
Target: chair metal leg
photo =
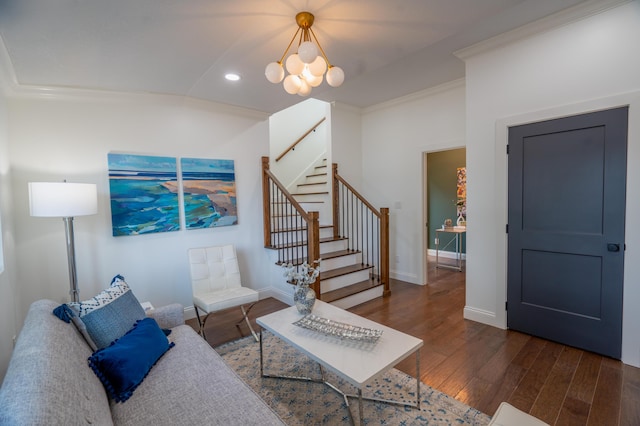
[245, 318]
[201, 323]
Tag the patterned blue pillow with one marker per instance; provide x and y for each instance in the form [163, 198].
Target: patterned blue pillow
[110, 314]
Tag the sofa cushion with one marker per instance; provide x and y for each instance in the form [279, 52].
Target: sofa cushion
[123, 365]
[110, 314]
[191, 385]
[48, 380]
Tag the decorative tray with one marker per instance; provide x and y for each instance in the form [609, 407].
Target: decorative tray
[338, 329]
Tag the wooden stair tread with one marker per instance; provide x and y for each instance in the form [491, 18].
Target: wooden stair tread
[286, 203]
[350, 290]
[339, 253]
[329, 239]
[311, 184]
[325, 256]
[304, 243]
[337, 272]
[299, 228]
[310, 193]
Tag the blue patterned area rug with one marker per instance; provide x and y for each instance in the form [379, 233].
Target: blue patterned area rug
[310, 403]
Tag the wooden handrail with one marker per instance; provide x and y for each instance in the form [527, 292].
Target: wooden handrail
[293, 145]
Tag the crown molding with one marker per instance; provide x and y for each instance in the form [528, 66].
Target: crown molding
[340, 106]
[548, 23]
[445, 87]
[10, 87]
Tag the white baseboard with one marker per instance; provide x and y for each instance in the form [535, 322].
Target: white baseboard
[403, 276]
[189, 312]
[482, 316]
[446, 254]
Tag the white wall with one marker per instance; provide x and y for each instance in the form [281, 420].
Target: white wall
[394, 137]
[8, 283]
[68, 137]
[287, 126]
[587, 65]
[346, 142]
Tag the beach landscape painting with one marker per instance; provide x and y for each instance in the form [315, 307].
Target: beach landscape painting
[142, 202]
[209, 191]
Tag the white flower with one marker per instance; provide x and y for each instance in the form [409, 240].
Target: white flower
[304, 277]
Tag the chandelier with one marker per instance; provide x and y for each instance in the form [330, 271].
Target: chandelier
[307, 67]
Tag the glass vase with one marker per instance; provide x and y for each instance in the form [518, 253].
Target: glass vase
[304, 298]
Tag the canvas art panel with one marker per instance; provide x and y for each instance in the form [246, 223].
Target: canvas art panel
[209, 190]
[143, 194]
[461, 203]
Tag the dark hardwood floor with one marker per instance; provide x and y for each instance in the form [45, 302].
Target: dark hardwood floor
[482, 365]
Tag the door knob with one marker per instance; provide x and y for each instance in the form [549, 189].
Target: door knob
[613, 247]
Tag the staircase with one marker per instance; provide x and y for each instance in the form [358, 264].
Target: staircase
[349, 274]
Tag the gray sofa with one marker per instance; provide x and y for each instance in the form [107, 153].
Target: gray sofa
[48, 381]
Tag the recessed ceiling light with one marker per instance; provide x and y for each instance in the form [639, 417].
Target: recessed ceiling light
[232, 77]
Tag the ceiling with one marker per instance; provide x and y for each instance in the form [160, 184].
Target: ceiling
[387, 48]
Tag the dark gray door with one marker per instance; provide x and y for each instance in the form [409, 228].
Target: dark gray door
[567, 185]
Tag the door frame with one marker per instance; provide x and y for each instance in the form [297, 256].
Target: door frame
[630, 337]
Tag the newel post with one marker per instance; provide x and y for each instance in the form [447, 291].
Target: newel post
[384, 249]
[313, 247]
[335, 201]
[266, 203]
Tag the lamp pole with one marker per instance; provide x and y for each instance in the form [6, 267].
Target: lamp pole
[71, 259]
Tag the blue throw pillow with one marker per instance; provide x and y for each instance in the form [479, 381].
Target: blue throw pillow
[109, 314]
[122, 366]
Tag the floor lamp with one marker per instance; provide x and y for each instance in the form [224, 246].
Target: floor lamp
[65, 200]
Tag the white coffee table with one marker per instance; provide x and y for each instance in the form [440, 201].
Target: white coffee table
[358, 363]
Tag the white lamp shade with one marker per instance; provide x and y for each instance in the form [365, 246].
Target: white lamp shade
[305, 88]
[307, 52]
[318, 67]
[314, 81]
[62, 199]
[274, 72]
[335, 76]
[292, 84]
[294, 64]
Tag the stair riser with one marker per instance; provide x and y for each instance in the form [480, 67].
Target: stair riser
[286, 222]
[343, 280]
[329, 246]
[288, 237]
[312, 205]
[316, 179]
[300, 235]
[316, 187]
[356, 299]
[339, 262]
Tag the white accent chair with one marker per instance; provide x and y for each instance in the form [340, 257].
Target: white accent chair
[216, 284]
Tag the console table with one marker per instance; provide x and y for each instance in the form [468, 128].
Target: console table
[458, 232]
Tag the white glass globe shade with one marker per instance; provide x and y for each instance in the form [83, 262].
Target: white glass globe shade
[335, 76]
[307, 52]
[274, 72]
[305, 88]
[294, 64]
[318, 67]
[314, 80]
[292, 84]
